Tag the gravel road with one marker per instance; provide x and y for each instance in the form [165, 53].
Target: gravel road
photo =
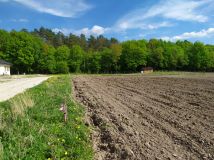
[15, 86]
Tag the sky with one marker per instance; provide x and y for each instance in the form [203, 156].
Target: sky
[170, 20]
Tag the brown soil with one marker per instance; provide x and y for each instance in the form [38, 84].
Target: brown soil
[140, 117]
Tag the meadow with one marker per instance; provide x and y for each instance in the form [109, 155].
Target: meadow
[32, 127]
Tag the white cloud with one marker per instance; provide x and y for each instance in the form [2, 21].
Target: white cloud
[189, 35]
[65, 31]
[95, 30]
[61, 8]
[19, 20]
[159, 25]
[182, 10]
[129, 24]
[98, 30]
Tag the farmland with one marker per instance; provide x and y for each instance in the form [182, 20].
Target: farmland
[149, 117]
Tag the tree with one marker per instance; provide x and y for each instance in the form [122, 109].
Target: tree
[199, 57]
[62, 53]
[117, 50]
[76, 58]
[47, 35]
[24, 50]
[47, 62]
[93, 60]
[134, 54]
[5, 40]
[210, 49]
[156, 54]
[61, 56]
[62, 67]
[107, 60]
[44, 51]
[174, 57]
[92, 42]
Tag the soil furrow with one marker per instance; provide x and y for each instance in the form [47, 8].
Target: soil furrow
[143, 117]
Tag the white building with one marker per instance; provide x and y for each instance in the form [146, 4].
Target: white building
[4, 67]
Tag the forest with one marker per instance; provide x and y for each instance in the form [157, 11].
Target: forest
[44, 51]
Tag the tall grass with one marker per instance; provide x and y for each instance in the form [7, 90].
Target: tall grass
[32, 127]
[21, 103]
[1, 150]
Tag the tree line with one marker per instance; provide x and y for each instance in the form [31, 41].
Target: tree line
[43, 51]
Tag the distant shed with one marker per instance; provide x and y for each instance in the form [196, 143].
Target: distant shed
[147, 70]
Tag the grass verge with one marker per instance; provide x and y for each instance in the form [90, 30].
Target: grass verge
[32, 127]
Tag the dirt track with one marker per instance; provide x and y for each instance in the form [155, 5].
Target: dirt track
[10, 88]
[149, 117]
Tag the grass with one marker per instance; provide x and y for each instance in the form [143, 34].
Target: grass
[181, 74]
[161, 73]
[32, 127]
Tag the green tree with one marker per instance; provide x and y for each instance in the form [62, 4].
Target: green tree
[47, 62]
[107, 60]
[174, 57]
[199, 57]
[61, 56]
[62, 53]
[93, 60]
[210, 49]
[5, 40]
[134, 54]
[76, 58]
[156, 54]
[117, 50]
[24, 50]
[62, 67]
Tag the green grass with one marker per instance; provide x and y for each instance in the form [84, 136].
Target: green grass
[182, 74]
[32, 127]
[165, 73]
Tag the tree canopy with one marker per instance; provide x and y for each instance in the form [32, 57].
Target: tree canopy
[43, 51]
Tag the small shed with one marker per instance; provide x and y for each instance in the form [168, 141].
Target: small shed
[147, 70]
[4, 67]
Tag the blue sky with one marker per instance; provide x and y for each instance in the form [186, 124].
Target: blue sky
[124, 19]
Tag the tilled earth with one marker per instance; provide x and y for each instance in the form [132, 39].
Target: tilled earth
[142, 117]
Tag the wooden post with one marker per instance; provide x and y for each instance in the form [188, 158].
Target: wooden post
[63, 109]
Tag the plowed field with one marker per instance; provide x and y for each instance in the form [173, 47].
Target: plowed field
[142, 117]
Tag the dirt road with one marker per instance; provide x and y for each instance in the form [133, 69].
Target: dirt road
[19, 85]
[153, 118]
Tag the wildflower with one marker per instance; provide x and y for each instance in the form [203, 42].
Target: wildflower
[63, 140]
[66, 153]
[78, 127]
[49, 158]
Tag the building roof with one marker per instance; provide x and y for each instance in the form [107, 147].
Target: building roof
[147, 68]
[4, 62]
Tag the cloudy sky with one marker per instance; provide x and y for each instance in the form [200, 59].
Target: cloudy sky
[124, 19]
